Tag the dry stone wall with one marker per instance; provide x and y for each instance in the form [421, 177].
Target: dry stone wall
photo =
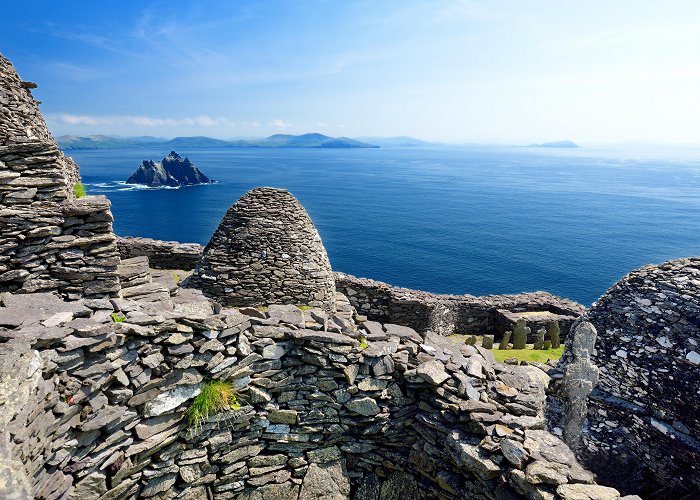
[643, 425]
[448, 314]
[266, 250]
[49, 240]
[94, 408]
[161, 254]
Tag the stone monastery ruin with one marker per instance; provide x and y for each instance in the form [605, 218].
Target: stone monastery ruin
[343, 387]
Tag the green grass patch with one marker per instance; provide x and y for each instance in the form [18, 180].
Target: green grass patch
[529, 355]
[117, 318]
[176, 278]
[216, 396]
[363, 343]
[305, 308]
[79, 190]
[262, 308]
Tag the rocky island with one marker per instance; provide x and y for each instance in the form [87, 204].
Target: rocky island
[172, 171]
[556, 144]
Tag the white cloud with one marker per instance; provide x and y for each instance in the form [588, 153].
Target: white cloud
[140, 121]
[281, 123]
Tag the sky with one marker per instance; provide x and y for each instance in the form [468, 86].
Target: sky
[459, 71]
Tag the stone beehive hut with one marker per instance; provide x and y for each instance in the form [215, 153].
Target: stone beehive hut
[266, 251]
[643, 418]
[49, 240]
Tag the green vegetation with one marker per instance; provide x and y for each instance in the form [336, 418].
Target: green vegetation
[261, 308]
[529, 355]
[305, 308]
[216, 396]
[117, 318]
[176, 278]
[79, 190]
[363, 343]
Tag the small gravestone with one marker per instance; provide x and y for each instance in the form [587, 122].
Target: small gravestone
[505, 340]
[487, 342]
[539, 342]
[520, 334]
[553, 332]
[547, 345]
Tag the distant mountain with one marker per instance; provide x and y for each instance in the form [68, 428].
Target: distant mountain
[196, 142]
[274, 141]
[172, 170]
[396, 142]
[555, 144]
[105, 141]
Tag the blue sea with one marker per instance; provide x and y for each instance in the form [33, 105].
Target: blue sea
[477, 220]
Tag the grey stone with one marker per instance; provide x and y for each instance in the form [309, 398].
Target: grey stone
[432, 372]
[586, 492]
[326, 481]
[364, 406]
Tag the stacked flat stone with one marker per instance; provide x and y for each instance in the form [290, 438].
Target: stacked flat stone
[448, 314]
[266, 250]
[49, 240]
[161, 254]
[92, 408]
[643, 418]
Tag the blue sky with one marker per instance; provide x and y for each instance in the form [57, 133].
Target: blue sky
[456, 71]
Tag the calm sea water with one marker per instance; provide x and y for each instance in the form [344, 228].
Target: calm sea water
[472, 220]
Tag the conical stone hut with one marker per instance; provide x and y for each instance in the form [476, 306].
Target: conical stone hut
[266, 250]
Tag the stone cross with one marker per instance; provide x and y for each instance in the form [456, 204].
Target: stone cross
[580, 377]
[539, 343]
[505, 340]
[553, 333]
[520, 334]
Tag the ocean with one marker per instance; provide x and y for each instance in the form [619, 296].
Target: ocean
[477, 220]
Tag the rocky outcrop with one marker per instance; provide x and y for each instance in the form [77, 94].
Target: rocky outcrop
[49, 239]
[94, 394]
[161, 254]
[266, 250]
[171, 171]
[642, 429]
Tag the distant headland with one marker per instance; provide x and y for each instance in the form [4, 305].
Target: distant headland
[173, 171]
[313, 140]
[555, 144]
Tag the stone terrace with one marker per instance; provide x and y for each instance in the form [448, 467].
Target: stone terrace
[94, 408]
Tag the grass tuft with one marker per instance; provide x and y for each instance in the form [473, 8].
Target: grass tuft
[176, 278]
[262, 308]
[216, 396]
[363, 343]
[529, 355]
[79, 190]
[117, 318]
[304, 308]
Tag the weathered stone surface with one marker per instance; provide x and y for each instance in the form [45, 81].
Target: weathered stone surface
[514, 452]
[325, 481]
[580, 377]
[432, 372]
[586, 492]
[170, 400]
[364, 406]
